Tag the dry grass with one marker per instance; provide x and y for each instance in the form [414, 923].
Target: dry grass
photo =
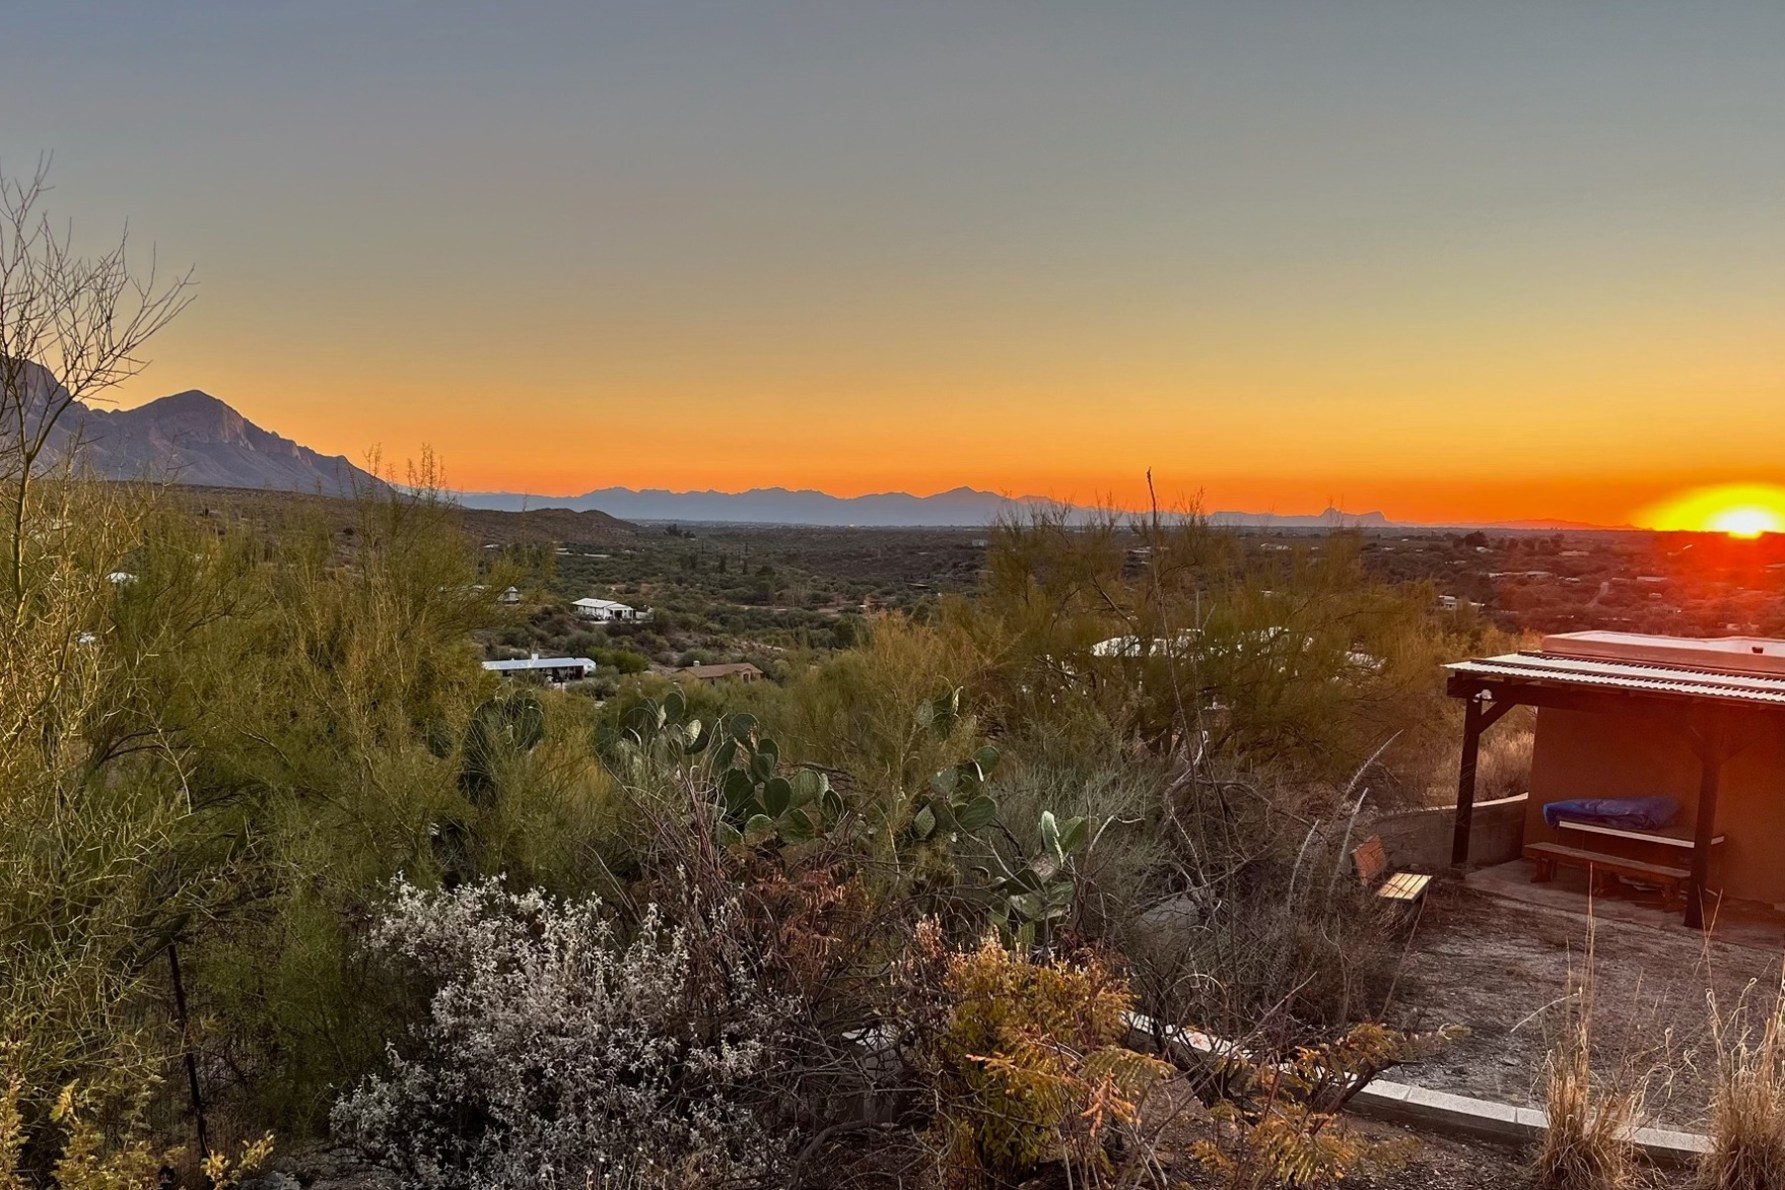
[1502, 767]
[1748, 1106]
[1592, 1122]
[1588, 1145]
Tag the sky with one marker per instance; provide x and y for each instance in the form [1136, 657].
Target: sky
[1449, 261]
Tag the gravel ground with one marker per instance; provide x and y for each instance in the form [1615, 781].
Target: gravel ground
[1499, 968]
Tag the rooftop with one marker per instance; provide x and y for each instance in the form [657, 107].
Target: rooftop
[1741, 669]
[1730, 654]
[530, 663]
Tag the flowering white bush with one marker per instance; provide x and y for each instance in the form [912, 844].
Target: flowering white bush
[556, 1054]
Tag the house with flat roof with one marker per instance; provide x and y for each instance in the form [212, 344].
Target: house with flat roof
[1659, 760]
[607, 611]
[555, 670]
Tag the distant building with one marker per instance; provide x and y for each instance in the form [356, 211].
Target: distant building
[607, 611]
[741, 671]
[556, 670]
[510, 597]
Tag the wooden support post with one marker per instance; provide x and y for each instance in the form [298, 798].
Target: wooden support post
[1472, 728]
[1710, 758]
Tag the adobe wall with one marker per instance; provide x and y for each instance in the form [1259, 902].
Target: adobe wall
[1581, 755]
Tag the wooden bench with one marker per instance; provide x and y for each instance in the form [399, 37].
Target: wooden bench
[1600, 865]
[1372, 861]
[1664, 847]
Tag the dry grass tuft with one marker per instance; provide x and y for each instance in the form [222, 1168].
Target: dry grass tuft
[1588, 1145]
[1748, 1104]
[1590, 1141]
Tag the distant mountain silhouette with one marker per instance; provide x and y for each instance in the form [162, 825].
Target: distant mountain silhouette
[1332, 518]
[963, 506]
[189, 438]
[196, 439]
[769, 506]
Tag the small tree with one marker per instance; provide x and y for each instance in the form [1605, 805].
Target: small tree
[88, 889]
[71, 327]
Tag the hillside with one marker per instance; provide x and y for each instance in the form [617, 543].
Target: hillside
[188, 438]
[482, 526]
[589, 527]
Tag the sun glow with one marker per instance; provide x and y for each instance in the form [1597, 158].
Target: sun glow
[1740, 510]
[1747, 522]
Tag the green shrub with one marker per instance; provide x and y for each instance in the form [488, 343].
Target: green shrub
[1028, 1063]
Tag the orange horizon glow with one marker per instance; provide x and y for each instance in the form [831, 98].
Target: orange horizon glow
[1464, 464]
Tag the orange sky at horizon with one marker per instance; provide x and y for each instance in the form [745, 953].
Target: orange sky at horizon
[1449, 263]
[1474, 458]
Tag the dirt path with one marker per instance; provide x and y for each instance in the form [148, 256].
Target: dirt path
[1500, 969]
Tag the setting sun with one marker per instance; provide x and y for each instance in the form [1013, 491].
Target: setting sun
[1747, 522]
[1740, 510]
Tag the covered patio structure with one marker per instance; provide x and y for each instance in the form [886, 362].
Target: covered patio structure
[1701, 721]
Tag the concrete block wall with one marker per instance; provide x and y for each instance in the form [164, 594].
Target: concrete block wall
[1421, 838]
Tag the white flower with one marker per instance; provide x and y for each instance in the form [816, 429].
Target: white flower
[555, 1050]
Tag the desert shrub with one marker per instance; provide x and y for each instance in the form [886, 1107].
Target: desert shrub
[1028, 1065]
[858, 711]
[103, 856]
[1258, 921]
[1122, 631]
[1276, 1116]
[1747, 1126]
[624, 661]
[557, 1052]
[1119, 873]
[98, 1139]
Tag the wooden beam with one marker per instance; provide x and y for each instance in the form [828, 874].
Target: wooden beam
[1712, 752]
[1465, 812]
[1495, 711]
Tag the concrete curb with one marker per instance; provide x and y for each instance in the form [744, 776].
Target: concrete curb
[1485, 1119]
[1443, 1112]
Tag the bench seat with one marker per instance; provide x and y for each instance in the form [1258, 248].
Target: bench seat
[1546, 856]
[1372, 866]
[1403, 886]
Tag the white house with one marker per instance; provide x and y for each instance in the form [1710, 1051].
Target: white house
[606, 611]
[510, 597]
[556, 670]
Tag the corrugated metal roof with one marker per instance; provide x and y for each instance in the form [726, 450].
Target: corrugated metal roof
[1550, 670]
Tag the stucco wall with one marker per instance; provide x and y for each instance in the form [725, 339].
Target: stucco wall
[1580, 755]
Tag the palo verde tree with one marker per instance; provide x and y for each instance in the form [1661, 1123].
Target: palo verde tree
[86, 824]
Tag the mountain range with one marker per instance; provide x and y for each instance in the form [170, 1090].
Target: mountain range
[190, 438]
[957, 507]
[194, 438]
